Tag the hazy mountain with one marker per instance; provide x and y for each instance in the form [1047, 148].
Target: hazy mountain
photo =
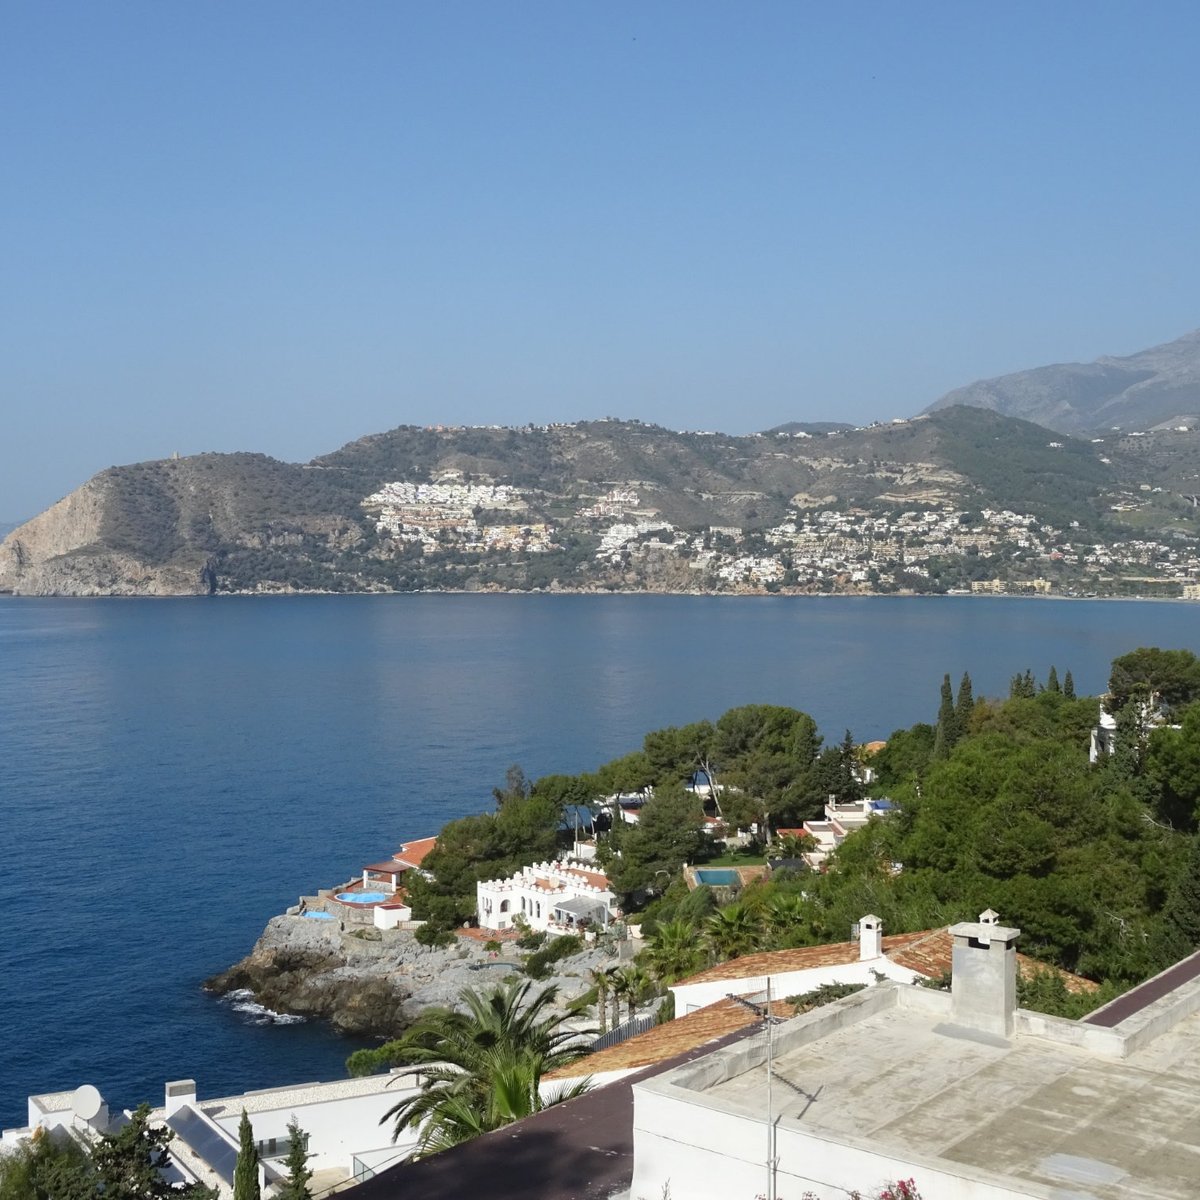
[1138, 392]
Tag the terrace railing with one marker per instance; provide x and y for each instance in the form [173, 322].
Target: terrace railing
[622, 1033]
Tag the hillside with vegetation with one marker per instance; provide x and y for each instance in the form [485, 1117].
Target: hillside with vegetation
[964, 499]
[995, 804]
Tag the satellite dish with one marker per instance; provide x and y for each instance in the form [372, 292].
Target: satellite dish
[86, 1102]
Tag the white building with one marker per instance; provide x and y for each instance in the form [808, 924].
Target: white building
[961, 1092]
[870, 959]
[341, 1121]
[554, 897]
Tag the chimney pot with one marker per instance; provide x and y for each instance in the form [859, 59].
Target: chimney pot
[870, 937]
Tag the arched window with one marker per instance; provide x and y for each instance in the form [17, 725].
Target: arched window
[504, 906]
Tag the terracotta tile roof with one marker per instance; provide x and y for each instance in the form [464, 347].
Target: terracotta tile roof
[669, 1039]
[412, 854]
[592, 878]
[928, 952]
[775, 961]
[931, 955]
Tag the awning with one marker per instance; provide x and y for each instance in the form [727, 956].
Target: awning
[581, 909]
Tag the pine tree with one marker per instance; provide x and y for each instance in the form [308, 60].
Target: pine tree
[245, 1173]
[1052, 684]
[1068, 686]
[964, 705]
[1181, 912]
[295, 1187]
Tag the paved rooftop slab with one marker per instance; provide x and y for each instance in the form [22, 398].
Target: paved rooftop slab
[1032, 1111]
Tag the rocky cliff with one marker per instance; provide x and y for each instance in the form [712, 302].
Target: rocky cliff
[65, 551]
[370, 983]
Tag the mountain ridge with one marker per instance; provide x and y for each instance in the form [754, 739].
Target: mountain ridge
[619, 506]
[1131, 392]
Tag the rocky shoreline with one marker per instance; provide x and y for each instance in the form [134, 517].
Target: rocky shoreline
[374, 982]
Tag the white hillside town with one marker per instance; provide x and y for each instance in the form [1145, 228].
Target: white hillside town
[817, 547]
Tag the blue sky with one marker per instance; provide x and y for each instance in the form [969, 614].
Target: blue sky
[281, 226]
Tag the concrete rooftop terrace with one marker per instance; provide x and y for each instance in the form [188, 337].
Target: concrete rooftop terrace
[1033, 1115]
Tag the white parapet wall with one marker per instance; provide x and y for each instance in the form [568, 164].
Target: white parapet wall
[691, 996]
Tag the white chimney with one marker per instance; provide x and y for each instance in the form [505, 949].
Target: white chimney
[870, 937]
[983, 985]
[180, 1093]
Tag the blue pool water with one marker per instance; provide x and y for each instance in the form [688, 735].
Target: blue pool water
[319, 916]
[717, 878]
[362, 897]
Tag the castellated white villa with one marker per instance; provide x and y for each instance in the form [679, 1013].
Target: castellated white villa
[551, 897]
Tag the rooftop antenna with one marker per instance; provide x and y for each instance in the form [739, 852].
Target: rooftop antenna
[764, 1011]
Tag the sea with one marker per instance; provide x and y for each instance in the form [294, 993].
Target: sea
[175, 772]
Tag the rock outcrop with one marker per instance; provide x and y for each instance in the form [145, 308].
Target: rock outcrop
[364, 983]
[63, 552]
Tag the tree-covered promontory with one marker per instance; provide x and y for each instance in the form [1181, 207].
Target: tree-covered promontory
[994, 804]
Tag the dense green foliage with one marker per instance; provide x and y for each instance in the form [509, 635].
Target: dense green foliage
[523, 829]
[538, 964]
[995, 805]
[127, 1164]
[47, 1168]
[1172, 677]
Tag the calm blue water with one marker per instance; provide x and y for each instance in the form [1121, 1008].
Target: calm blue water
[174, 772]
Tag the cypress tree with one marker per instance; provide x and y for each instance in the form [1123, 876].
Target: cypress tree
[940, 749]
[964, 705]
[1068, 686]
[295, 1187]
[1052, 684]
[245, 1173]
[947, 725]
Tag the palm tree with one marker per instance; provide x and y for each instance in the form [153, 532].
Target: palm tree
[601, 979]
[786, 915]
[732, 931]
[481, 1069]
[673, 953]
[630, 984]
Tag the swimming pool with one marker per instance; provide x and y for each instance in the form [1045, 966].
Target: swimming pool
[362, 897]
[718, 878]
[319, 916]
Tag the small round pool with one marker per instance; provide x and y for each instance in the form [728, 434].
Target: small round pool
[362, 897]
[319, 916]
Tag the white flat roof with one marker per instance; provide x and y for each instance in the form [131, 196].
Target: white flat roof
[1029, 1112]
